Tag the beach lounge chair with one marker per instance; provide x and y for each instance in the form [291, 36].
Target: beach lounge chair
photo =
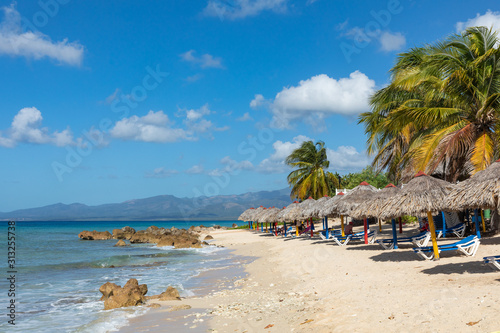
[322, 234]
[343, 240]
[419, 240]
[493, 261]
[467, 246]
[306, 232]
[458, 230]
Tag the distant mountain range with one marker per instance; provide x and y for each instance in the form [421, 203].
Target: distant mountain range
[162, 207]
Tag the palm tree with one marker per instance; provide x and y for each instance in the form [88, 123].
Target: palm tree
[310, 179]
[441, 111]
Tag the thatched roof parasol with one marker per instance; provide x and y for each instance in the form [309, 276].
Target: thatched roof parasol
[252, 216]
[356, 196]
[244, 216]
[482, 190]
[271, 215]
[372, 207]
[285, 212]
[314, 209]
[422, 194]
[329, 207]
[304, 207]
[258, 216]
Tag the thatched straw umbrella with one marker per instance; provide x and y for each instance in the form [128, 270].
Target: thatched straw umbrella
[245, 216]
[481, 191]
[270, 217]
[356, 196]
[253, 216]
[373, 208]
[314, 209]
[283, 215]
[328, 209]
[422, 196]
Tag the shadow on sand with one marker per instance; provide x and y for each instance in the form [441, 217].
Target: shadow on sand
[471, 267]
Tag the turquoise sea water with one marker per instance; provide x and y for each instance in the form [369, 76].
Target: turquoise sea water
[58, 275]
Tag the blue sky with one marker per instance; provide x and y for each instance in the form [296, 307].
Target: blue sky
[108, 101]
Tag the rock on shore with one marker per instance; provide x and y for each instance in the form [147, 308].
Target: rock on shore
[95, 235]
[131, 294]
[179, 238]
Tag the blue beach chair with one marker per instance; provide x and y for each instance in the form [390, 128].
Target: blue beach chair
[343, 240]
[493, 261]
[419, 240]
[331, 233]
[467, 246]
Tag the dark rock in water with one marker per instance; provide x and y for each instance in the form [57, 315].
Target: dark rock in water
[131, 294]
[95, 235]
[166, 240]
[205, 243]
[170, 294]
[152, 229]
[128, 229]
[120, 234]
[235, 225]
[121, 242]
[208, 237]
[144, 237]
[107, 290]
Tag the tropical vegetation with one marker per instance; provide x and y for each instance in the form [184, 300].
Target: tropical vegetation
[310, 177]
[440, 112]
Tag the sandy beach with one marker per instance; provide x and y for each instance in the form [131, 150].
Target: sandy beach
[311, 285]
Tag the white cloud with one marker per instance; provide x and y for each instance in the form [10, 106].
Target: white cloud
[204, 61]
[389, 41]
[246, 117]
[347, 158]
[194, 78]
[15, 42]
[195, 169]
[238, 9]
[258, 100]
[276, 162]
[193, 115]
[161, 173]
[153, 127]
[231, 166]
[489, 19]
[320, 96]
[26, 127]
[157, 127]
[392, 41]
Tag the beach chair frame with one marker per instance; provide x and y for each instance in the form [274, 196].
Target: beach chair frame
[493, 261]
[468, 246]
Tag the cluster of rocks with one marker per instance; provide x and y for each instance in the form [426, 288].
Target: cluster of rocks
[132, 294]
[179, 238]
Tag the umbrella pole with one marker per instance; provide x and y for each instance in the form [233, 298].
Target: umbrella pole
[261, 227]
[394, 234]
[284, 227]
[379, 225]
[444, 224]
[400, 226]
[482, 219]
[326, 227]
[312, 227]
[342, 225]
[476, 219]
[296, 228]
[366, 230]
[433, 235]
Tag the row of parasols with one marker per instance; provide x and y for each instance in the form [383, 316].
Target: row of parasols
[423, 196]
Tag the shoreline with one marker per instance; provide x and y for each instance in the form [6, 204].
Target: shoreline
[310, 285]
